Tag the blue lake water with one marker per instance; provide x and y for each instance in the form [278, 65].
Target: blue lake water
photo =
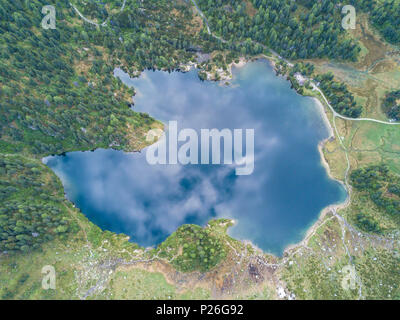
[273, 207]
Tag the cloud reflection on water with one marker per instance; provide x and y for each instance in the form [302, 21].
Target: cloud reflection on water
[289, 187]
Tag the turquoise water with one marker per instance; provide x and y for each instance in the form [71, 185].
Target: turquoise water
[273, 207]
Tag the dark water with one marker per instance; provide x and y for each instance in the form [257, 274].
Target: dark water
[273, 207]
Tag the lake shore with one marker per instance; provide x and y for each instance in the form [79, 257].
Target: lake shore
[334, 207]
[229, 75]
[242, 62]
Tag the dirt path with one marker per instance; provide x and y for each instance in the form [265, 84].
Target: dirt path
[104, 24]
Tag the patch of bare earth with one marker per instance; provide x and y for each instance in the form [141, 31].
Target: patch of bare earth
[371, 41]
[240, 274]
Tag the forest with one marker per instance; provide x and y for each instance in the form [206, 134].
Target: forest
[32, 205]
[382, 188]
[195, 248]
[339, 96]
[298, 29]
[55, 83]
[341, 99]
[58, 94]
[391, 105]
[284, 26]
[386, 18]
